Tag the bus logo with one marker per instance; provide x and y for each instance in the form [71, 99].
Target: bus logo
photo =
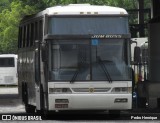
[108, 36]
[91, 90]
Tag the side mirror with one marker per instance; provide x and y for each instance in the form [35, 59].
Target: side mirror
[134, 42]
[43, 51]
[37, 45]
[137, 55]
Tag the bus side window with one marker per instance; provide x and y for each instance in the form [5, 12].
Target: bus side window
[32, 34]
[28, 36]
[24, 36]
[137, 57]
[36, 31]
[40, 30]
[20, 38]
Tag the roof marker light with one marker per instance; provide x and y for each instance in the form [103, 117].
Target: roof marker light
[55, 13]
[122, 13]
[88, 13]
[81, 13]
[96, 13]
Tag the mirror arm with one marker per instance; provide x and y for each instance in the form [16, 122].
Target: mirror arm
[43, 49]
[134, 42]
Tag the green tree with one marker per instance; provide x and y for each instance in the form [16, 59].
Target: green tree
[4, 4]
[9, 23]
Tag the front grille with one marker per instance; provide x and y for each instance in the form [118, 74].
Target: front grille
[91, 89]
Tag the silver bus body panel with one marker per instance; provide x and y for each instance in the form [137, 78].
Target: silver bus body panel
[90, 100]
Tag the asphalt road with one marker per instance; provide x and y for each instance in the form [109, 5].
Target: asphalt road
[9, 100]
[11, 106]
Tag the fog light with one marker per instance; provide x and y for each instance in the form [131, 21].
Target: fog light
[120, 100]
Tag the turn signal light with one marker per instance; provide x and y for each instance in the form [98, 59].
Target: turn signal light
[60, 90]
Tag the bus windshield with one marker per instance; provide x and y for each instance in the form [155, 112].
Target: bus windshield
[88, 60]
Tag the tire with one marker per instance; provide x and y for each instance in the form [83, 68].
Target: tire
[30, 108]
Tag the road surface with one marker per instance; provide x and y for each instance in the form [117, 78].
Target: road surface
[11, 105]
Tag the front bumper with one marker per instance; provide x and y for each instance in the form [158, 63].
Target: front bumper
[90, 102]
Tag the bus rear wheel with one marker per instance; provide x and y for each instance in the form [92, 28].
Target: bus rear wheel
[30, 108]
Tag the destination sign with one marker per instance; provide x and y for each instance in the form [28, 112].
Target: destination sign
[111, 36]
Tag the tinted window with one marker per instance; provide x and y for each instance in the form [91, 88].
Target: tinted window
[88, 25]
[7, 62]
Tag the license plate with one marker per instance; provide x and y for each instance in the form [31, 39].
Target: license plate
[61, 105]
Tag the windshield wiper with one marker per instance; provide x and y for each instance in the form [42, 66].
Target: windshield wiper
[104, 69]
[74, 76]
[77, 72]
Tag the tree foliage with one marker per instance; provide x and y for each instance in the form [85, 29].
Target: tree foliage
[4, 4]
[12, 11]
[10, 18]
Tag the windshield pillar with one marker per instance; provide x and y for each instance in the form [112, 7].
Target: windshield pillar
[90, 48]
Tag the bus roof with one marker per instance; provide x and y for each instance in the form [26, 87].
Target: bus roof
[8, 55]
[78, 9]
[84, 9]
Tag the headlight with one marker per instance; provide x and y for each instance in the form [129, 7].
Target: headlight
[60, 90]
[122, 90]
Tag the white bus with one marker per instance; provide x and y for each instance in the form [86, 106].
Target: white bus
[8, 69]
[140, 58]
[75, 57]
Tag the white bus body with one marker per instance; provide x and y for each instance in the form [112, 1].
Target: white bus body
[8, 69]
[140, 68]
[78, 60]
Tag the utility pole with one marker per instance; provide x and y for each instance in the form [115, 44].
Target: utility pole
[155, 8]
[141, 17]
